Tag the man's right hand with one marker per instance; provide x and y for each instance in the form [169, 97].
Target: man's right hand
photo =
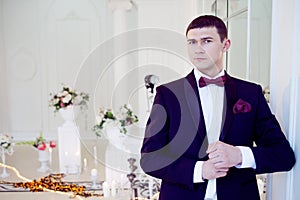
[209, 171]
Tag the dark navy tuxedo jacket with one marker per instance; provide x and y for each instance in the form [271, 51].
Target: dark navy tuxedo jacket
[175, 139]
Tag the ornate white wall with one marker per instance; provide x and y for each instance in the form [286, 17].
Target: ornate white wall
[43, 44]
[46, 43]
[21, 67]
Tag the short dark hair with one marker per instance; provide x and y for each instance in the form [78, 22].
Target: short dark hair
[209, 21]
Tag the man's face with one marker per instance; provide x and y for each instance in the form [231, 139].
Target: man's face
[206, 50]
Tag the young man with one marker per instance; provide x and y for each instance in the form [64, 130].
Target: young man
[202, 128]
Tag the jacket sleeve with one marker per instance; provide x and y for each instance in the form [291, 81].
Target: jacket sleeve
[158, 157]
[272, 152]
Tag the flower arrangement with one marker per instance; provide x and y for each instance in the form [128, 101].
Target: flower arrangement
[6, 143]
[40, 143]
[123, 118]
[68, 97]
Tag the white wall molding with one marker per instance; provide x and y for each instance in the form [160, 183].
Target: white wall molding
[22, 65]
[46, 42]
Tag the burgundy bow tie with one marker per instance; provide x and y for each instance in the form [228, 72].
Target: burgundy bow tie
[220, 81]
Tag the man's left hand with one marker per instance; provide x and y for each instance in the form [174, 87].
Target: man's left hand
[224, 155]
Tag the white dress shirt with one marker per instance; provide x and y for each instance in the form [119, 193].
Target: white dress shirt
[211, 98]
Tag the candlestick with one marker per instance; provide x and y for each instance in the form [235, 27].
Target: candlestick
[94, 174]
[150, 188]
[113, 188]
[50, 158]
[95, 155]
[67, 157]
[105, 188]
[84, 164]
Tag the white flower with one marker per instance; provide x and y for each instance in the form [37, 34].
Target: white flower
[6, 142]
[5, 145]
[67, 98]
[78, 100]
[99, 119]
[106, 119]
[60, 94]
[65, 93]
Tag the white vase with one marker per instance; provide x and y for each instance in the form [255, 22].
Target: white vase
[44, 158]
[69, 115]
[116, 138]
[129, 142]
[4, 172]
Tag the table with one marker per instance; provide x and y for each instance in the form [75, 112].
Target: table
[25, 160]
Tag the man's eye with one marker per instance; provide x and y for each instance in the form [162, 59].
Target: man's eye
[207, 41]
[192, 42]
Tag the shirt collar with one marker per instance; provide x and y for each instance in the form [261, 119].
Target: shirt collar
[199, 74]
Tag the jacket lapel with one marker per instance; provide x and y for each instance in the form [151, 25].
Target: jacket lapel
[229, 100]
[194, 103]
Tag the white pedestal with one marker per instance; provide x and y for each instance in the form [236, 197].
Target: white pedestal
[119, 149]
[69, 149]
[44, 157]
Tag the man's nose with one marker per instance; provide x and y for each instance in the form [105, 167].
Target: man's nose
[199, 48]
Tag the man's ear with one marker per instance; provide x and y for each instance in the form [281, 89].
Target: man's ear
[226, 45]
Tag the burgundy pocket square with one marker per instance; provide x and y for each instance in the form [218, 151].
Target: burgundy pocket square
[241, 107]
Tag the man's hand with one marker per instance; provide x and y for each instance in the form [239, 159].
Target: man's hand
[222, 156]
[209, 171]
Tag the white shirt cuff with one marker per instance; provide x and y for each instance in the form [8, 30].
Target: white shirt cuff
[248, 160]
[198, 172]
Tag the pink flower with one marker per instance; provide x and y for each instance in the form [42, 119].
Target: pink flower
[42, 146]
[52, 144]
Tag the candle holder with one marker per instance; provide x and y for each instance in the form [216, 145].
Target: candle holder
[4, 172]
[6, 147]
[85, 165]
[50, 159]
[144, 186]
[131, 177]
[105, 188]
[94, 176]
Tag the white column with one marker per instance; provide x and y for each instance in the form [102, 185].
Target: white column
[293, 178]
[121, 89]
[3, 94]
[285, 89]
[119, 8]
